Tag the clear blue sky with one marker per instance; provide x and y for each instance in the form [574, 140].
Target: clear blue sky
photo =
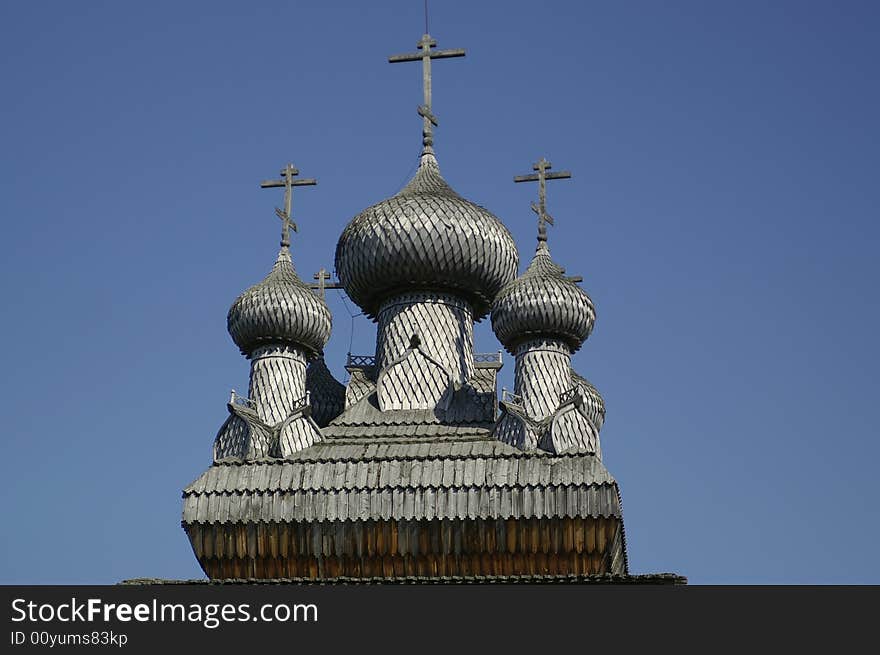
[723, 213]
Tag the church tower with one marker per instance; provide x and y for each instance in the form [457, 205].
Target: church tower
[278, 324]
[542, 318]
[425, 264]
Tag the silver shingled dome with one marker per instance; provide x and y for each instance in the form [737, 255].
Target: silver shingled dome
[427, 237]
[542, 302]
[279, 310]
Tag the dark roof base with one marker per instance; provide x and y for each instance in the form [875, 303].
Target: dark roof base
[646, 578]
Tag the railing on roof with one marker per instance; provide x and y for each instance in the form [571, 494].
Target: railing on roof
[364, 361]
[569, 395]
[244, 401]
[487, 358]
[360, 361]
[510, 397]
[305, 401]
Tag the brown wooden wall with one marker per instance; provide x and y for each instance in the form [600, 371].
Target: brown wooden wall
[557, 546]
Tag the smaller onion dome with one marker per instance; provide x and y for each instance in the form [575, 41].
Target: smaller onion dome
[279, 310]
[543, 302]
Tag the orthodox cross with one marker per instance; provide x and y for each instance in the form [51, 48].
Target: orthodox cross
[541, 178]
[426, 55]
[321, 285]
[287, 173]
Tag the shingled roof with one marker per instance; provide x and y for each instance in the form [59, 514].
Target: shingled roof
[359, 479]
[408, 481]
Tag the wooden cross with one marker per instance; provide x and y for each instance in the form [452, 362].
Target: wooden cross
[541, 178]
[288, 173]
[426, 55]
[321, 285]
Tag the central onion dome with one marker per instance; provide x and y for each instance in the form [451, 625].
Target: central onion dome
[543, 302]
[425, 238]
[280, 310]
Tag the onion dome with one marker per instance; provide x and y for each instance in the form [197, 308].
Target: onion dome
[427, 237]
[543, 302]
[280, 310]
[593, 403]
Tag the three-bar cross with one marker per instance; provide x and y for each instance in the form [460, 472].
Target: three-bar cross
[288, 173]
[426, 55]
[541, 178]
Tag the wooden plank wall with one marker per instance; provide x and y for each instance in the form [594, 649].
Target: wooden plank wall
[549, 546]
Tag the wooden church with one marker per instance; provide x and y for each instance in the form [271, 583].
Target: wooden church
[415, 469]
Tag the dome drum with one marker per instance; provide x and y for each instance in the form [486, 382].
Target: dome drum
[443, 322]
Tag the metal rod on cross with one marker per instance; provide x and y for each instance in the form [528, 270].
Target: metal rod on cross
[541, 177]
[321, 285]
[426, 55]
[287, 173]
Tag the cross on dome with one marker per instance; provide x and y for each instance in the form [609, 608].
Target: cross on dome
[429, 120]
[541, 177]
[287, 173]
